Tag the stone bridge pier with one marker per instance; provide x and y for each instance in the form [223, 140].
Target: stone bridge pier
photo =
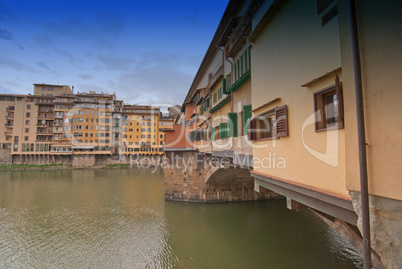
[199, 177]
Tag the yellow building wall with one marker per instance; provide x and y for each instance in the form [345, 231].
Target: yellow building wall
[292, 50]
[381, 60]
[134, 121]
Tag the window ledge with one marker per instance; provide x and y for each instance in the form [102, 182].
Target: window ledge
[267, 139]
[329, 129]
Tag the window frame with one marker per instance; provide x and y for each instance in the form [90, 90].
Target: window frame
[281, 123]
[321, 94]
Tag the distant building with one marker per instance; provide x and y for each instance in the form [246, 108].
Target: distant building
[54, 125]
[174, 110]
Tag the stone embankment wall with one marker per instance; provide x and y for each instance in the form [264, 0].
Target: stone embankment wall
[143, 160]
[385, 227]
[41, 159]
[79, 160]
[5, 156]
[195, 177]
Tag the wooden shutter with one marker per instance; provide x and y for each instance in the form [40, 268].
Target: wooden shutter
[250, 129]
[281, 121]
[213, 134]
[246, 116]
[322, 5]
[339, 97]
[232, 124]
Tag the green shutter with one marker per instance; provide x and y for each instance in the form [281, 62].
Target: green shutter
[241, 61]
[232, 124]
[224, 86]
[246, 116]
[213, 133]
[248, 59]
[223, 129]
[202, 109]
[235, 72]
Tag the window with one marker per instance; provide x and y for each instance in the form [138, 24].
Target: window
[26, 138]
[232, 120]
[242, 65]
[215, 133]
[328, 107]
[27, 114]
[246, 114]
[26, 130]
[206, 104]
[269, 125]
[28, 106]
[27, 122]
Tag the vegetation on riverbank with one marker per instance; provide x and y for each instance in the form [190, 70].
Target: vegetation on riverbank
[118, 165]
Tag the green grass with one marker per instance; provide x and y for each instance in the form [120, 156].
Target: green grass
[20, 166]
[117, 165]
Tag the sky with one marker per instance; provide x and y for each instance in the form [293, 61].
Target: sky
[147, 52]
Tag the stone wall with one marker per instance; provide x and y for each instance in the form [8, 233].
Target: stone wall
[351, 234]
[5, 156]
[385, 227]
[84, 160]
[191, 176]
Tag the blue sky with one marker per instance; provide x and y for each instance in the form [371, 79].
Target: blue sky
[147, 52]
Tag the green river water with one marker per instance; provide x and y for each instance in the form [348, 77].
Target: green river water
[118, 218]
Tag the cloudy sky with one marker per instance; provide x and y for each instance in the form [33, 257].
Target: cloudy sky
[147, 52]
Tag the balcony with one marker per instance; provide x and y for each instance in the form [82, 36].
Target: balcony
[9, 117]
[8, 133]
[8, 125]
[48, 131]
[43, 126]
[46, 117]
[43, 139]
[45, 110]
[10, 108]
[45, 134]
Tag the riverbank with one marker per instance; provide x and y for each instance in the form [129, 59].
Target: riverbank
[53, 166]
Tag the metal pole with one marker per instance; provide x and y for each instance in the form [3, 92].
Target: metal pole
[361, 135]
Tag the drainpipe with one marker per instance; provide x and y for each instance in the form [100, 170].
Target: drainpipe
[361, 135]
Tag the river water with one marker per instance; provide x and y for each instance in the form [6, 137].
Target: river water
[118, 218]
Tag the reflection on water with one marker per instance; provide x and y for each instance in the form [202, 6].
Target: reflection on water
[118, 219]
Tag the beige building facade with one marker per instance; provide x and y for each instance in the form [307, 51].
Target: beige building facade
[56, 125]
